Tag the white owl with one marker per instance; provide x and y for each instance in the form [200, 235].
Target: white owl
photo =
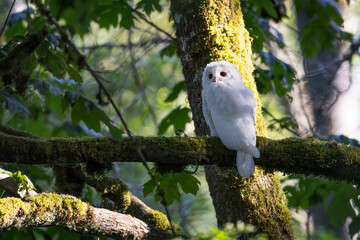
[229, 109]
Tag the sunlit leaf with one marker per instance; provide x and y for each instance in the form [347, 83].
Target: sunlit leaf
[176, 91]
[177, 118]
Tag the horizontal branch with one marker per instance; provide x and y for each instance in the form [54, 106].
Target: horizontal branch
[75, 215]
[292, 155]
[115, 190]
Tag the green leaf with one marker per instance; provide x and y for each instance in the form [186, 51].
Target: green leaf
[177, 118]
[55, 64]
[188, 183]
[342, 198]
[92, 120]
[127, 21]
[169, 50]
[78, 111]
[22, 180]
[169, 184]
[30, 63]
[74, 74]
[115, 132]
[149, 187]
[149, 6]
[176, 91]
[109, 17]
[269, 7]
[354, 226]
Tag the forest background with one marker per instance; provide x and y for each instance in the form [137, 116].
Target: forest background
[307, 72]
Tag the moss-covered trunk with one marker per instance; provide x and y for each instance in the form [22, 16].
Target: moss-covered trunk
[213, 30]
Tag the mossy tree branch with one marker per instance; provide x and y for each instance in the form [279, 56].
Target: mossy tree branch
[75, 215]
[113, 189]
[118, 192]
[292, 155]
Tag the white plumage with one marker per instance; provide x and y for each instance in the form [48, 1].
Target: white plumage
[229, 109]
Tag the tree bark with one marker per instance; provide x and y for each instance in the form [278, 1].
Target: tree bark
[210, 31]
[69, 212]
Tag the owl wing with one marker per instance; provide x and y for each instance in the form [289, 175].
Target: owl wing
[233, 117]
[241, 98]
[236, 133]
[207, 113]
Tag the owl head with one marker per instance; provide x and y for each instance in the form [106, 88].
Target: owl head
[222, 72]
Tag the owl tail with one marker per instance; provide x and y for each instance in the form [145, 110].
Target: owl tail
[245, 164]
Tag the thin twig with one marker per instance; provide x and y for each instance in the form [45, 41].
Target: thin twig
[156, 40]
[28, 18]
[141, 15]
[135, 99]
[97, 78]
[138, 81]
[7, 18]
[278, 121]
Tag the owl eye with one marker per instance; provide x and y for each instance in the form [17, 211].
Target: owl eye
[223, 74]
[210, 76]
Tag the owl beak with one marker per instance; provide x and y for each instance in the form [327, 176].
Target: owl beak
[217, 79]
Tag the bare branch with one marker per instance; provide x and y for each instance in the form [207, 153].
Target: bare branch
[7, 18]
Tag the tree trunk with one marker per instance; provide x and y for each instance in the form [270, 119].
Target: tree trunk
[210, 31]
[324, 90]
[319, 104]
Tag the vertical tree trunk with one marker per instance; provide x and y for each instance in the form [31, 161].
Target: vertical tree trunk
[325, 103]
[210, 31]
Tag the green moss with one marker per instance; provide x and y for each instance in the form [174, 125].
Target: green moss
[117, 191]
[37, 208]
[71, 208]
[10, 207]
[160, 221]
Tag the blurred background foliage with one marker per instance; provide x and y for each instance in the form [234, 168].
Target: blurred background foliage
[132, 46]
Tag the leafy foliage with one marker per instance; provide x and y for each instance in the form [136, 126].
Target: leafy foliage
[177, 117]
[309, 192]
[169, 184]
[22, 180]
[324, 25]
[231, 231]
